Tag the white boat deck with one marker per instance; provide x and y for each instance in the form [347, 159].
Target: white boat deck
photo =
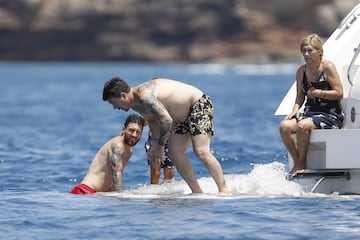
[327, 151]
[333, 159]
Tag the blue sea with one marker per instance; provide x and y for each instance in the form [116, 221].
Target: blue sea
[53, 121]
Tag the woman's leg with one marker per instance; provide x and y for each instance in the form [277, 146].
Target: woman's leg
[287, 129]
[303, 136]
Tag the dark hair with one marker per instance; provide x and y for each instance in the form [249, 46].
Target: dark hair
[134, 118]
[114, 87]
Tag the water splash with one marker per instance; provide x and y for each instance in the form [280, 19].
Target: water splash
[265, 180]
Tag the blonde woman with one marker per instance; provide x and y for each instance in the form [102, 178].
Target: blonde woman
[319, 84]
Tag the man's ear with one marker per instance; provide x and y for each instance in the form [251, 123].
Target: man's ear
[123, 96]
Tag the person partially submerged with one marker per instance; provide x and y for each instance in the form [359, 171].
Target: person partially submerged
[176, 112]
[105, 171]
[166, 164]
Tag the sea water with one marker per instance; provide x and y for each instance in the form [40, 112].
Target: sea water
[53, 121]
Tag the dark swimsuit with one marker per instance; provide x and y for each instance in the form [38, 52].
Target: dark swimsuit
[166, 162]
[325, 114]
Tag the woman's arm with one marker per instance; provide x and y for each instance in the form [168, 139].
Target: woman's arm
[333, 78]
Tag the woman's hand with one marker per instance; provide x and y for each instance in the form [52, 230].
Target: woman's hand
[313, 93]
[294, 114]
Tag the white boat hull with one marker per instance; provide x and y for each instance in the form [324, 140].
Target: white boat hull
[333, 158]
[339, 181]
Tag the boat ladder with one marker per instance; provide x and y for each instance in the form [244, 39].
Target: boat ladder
[322, 176]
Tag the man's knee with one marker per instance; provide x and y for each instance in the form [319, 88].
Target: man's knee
[202, 153]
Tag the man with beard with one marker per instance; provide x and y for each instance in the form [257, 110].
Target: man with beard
[105, 172]
[178, 113]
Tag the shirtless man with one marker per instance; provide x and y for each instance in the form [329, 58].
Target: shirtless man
[105, 172]
[177, 112]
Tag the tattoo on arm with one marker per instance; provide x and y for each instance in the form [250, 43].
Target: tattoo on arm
[116, 165]
[158, 110]
[164, 132]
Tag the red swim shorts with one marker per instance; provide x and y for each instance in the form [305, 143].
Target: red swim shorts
[82, 189]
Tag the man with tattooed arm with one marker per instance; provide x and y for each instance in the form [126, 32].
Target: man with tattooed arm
[176, 112]
[105, 172]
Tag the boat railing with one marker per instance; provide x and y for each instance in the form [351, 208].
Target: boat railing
[350, 70]
[350, 18]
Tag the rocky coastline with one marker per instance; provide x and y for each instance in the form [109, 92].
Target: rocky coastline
[163, 30]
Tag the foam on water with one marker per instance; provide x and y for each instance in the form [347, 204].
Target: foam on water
[50, 137]
[263, 181]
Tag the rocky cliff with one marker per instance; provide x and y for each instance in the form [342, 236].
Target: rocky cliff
[163, 30]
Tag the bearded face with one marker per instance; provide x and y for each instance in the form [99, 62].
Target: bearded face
[132, 134]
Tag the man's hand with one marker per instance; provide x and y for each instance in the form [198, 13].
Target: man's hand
[156, 153]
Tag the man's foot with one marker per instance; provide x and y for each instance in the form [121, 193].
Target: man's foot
[167, 181]
[224, 194]
[224, 191]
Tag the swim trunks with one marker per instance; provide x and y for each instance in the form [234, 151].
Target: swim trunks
[166, 162]
[200, 119]
[82, 189]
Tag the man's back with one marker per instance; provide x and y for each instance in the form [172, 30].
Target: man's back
[177, 97]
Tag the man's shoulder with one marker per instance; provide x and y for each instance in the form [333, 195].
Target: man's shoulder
[114, 140]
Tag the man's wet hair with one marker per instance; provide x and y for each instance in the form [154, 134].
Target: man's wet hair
[135, 118]
[114, 87]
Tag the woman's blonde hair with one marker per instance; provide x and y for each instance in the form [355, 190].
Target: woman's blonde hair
[313, 40]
